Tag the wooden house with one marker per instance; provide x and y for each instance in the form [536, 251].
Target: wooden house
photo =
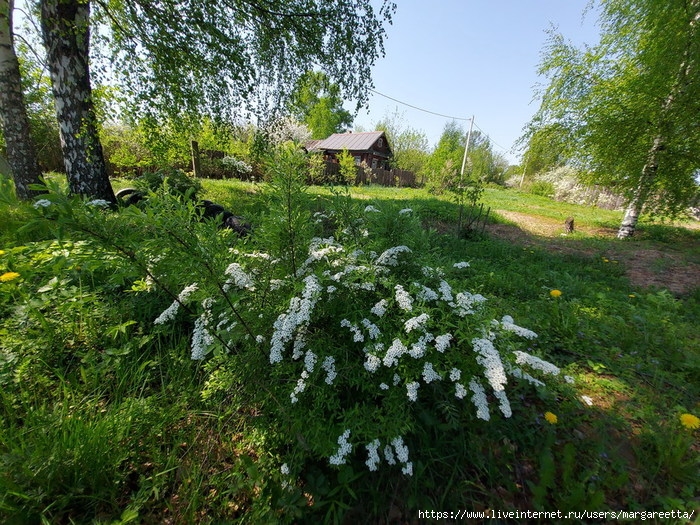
[371, 148]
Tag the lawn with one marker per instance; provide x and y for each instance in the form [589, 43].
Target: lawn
[105, 418]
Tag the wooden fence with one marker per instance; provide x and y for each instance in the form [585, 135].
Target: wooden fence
[394, 177]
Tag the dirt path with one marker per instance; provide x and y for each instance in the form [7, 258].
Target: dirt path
[647, 264]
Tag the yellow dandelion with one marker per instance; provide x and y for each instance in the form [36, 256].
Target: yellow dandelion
[690, 421]
[2, 252]
[632, 295]
[551, 418]
[606, 260]
[8, 276]
[555, 293]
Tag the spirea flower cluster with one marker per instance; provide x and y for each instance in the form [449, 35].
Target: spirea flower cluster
[367, 338]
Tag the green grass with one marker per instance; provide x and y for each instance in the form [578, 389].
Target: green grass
[102, 418]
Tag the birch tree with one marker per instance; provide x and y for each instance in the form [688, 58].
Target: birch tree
[629, 107]
[201, 57]
[65, 27]
[21, 154]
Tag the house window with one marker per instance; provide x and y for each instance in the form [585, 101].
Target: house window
[380, 143]
[358, 160]
[374, 164]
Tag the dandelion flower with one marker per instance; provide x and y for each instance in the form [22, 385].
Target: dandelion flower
[2, 252]
[8, 276]
[551, 418]
[690, 421]
[555, 293]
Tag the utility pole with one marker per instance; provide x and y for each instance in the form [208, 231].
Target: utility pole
[461, 175]
[522, 179]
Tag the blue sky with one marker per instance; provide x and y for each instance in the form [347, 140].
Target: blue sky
[471, 57]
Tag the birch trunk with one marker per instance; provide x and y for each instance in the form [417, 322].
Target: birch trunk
[641, 192]
[650, 169]
[66, 33]
[21, 154]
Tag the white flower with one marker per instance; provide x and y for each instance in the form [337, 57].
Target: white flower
[491, 361]
[415, 323]
[405, 211]
[259, 339]
[397, 379]
[345, 448]
[461, 265]
[297, 316]
[169, 313]
[418, 348]
[517, 372]
[276, 284]
[408, 468]
[455, 374]
[508, 324]
[300, 387]
[373, 458]
[99, 203]
[569, 380]
[442, 342]
[358, 337]
[412, 390]
[373, 329]
[372, 363]
[390, 257]
[371, 209]
[429, 374]
[446, 290]
[310, 361]
[401, 449]
[238, 277]
[479, 400]
[329, 366]
[403, 298]
[389, 455]
[379, 309]
[201, 337]
[383, 386]
[587, 400]
[460, 391]
[504, 404]
[42, 203]
[284, 469]
[426, 294]
[523, 358]
[466, 303]
[396, 350]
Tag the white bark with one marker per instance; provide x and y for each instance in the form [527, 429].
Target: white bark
[21, 154]
[66, 33]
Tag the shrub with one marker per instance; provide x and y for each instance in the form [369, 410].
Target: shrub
[174, 181]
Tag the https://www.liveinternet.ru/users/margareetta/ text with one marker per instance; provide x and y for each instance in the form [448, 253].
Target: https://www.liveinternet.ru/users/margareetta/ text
[558, 514]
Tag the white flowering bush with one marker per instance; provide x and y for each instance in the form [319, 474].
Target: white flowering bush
[344, 352]
[238, 167]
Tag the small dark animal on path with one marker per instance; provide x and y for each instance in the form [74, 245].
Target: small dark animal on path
[569, 225]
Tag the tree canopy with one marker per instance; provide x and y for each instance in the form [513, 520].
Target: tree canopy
[196, 57]
[317, 102]
[218, 57]
[629, 107]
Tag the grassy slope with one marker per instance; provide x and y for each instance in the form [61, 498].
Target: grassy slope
[635, 354]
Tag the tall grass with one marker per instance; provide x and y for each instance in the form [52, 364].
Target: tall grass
[105, 418]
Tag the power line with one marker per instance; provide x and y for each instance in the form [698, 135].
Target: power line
[439, 115]
[416, 107]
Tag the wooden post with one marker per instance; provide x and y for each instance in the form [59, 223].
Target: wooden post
[196, 166]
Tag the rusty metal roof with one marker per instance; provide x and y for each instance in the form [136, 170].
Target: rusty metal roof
[350, 141]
